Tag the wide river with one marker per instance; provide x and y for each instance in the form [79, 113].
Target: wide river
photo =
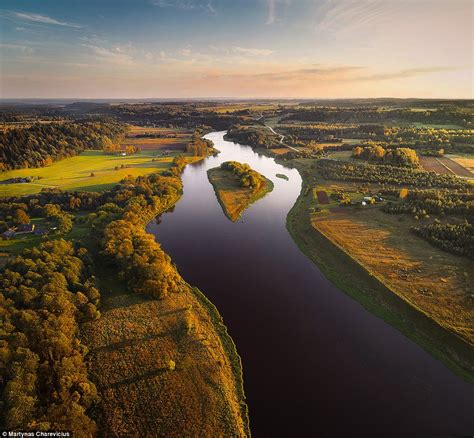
[316, 363]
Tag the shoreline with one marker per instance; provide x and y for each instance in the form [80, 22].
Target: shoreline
[259, 194]
[373, 294]
[232, 358]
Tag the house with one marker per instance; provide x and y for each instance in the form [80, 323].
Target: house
[8, 234]
[25, 229]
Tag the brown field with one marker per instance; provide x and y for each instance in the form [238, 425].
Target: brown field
[177, 140]
[456, 167]
[137, 130]
[446, 165]
[280, 151]
[131, 349]
[153, 144]
[466, 161]
[433, 164]
[435, 282]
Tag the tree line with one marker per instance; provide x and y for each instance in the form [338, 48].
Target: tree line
[246, 176]
[404, 157]
[42, 144]
[454, 238]
[440, 202]
[383, 174]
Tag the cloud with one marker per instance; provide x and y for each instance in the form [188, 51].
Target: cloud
[43, 19]
[16, 47]
[350, 15]
[116, 55]
[252, 51]
[272, 6]
[407, 73]
[187, 5]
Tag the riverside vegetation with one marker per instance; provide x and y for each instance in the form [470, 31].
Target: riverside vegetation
[98, 321]
[237, 186]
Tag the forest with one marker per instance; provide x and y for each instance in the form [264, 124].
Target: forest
[40, 144]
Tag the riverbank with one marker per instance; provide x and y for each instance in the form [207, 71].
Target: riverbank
[157, 362]
[358, 282]
[233, 198]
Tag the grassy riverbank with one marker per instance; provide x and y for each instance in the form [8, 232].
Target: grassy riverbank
[157, 362]
[361, 284]
[233, 198]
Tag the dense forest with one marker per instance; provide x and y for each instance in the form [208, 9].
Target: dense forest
[45, 292]
[255, 137]
[41, 144]
[246, 176]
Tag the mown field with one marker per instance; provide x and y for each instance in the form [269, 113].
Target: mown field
[93, 170]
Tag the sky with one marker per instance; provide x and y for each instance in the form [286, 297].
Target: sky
[236, 48]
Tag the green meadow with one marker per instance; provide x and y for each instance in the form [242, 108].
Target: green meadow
[91, 171]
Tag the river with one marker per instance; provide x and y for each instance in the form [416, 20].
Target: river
[316, 363]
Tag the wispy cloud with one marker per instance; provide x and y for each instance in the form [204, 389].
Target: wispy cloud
[350, 15]
[272, 12]
[42, 19]
[252, 51]
[16, 47]
[407, 73]
[187, 5]
[117, 55]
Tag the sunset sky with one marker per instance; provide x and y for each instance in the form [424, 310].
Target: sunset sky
[236, 48]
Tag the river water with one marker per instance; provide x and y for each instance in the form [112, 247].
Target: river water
[316, 363]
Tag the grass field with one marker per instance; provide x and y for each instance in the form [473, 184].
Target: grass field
[75, 173]
[441, 338]
[161, 369]
[233, 198]
[436, 282]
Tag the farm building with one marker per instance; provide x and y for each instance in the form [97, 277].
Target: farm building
[25, 229]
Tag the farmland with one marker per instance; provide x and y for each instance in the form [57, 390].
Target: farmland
[445, 165]
[94, 170]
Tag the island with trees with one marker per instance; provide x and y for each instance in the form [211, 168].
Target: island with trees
[237, 186]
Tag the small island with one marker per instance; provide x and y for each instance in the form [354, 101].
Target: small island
[237, 186]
